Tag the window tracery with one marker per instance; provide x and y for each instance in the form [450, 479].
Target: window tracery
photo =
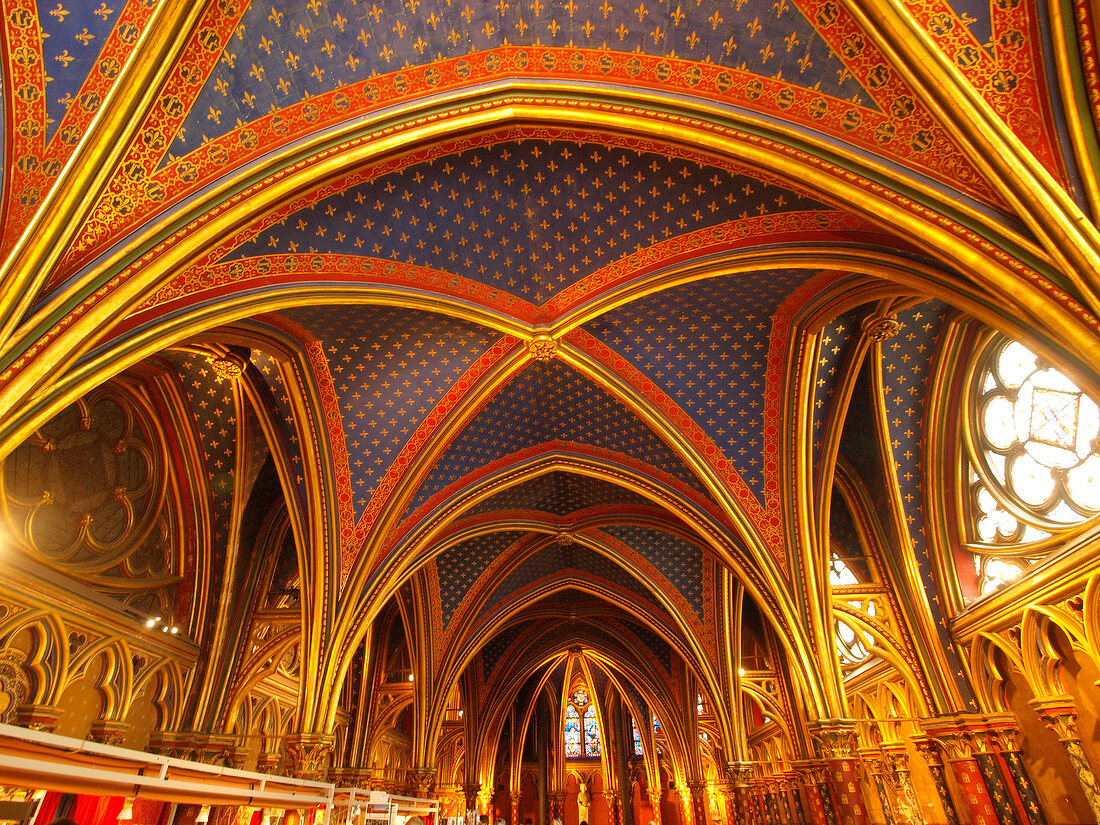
[853, 647]
[840, 574]
[582, 728]
[1034, 460]
[573, 747]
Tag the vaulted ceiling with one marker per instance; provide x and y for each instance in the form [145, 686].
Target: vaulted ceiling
[547, 311]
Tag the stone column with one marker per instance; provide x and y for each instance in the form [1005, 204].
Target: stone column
[729, 802]
[934, 762]
[308, 755]
[693, 795]
[824, 788]
[895, 765]
[515, 807]
[957, 744]
[614, 807]
[771, 803]
[1005, 737]
[485, 801]
[792, 800]
[1003, 802]
[741, 778]
[873, 763]
[1060, 715]
[759, 802]
[792, 797]
[654, 795]
[812, 778]
[836, 741]
[469, 795]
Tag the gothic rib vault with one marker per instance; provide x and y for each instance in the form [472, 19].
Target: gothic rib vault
[375, 375]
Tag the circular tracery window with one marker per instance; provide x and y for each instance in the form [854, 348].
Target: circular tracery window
[1039, 445]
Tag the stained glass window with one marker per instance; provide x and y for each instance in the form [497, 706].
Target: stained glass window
[582, 729]
[591, 733]
[573, 746]
[656, 724]
[637, 738]
[1035, 467]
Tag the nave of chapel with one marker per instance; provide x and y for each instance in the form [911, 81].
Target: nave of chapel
[629, 412]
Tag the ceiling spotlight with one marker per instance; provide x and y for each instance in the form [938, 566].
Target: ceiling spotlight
[410, 677]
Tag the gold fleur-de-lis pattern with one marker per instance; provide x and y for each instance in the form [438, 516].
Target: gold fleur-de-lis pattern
[281, 54]
[526, 217]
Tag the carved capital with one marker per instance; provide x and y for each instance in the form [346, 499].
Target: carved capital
[1007, 739]
[836, 738]
[14, 683]
[963, 735]
[38, 717]
[420, 781]
[308, 754]
[268, 761]
[811, 773]
[175, 743]
[216, 748]
[108, 731]
[236, 757]
[955, 745]
[469, 793]
[740, 773]
[873, 760]
[927, 748]
[1060, 715]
